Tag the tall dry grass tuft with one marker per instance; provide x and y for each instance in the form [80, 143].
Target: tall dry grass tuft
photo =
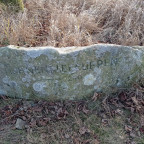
[63, 23]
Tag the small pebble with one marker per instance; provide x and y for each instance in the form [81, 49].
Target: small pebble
[20, 124]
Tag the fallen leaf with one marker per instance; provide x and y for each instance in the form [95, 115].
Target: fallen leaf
[85, 110]
[61, 113]
[142, 120]
[95, 97]
[83, 130]
[135, 101]
[1, 129]
[95, 141]
[132, 134]
[122, 96]
[3, 97]
[105, 122]
[141, 129]
[41, 122]
[67, 136]
[118, 111]
[128, 128]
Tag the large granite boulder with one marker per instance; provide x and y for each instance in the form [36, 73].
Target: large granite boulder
[68, 73]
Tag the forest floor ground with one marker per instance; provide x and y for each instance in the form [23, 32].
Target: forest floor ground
[101, 119]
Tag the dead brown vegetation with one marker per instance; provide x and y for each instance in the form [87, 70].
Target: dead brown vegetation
[63, 23]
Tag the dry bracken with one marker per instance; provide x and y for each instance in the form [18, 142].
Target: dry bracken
[63, 23]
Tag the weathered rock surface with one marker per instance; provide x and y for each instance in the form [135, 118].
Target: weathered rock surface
[68, 73]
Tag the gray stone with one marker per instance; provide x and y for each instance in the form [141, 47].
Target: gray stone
[68, 73]
[20, 124]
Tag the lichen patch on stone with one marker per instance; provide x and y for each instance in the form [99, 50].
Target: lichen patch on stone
[89, 80]
[38, 86]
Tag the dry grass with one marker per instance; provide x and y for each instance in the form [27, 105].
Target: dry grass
[73, 23]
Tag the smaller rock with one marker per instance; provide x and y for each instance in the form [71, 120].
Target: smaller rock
[20, 124]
